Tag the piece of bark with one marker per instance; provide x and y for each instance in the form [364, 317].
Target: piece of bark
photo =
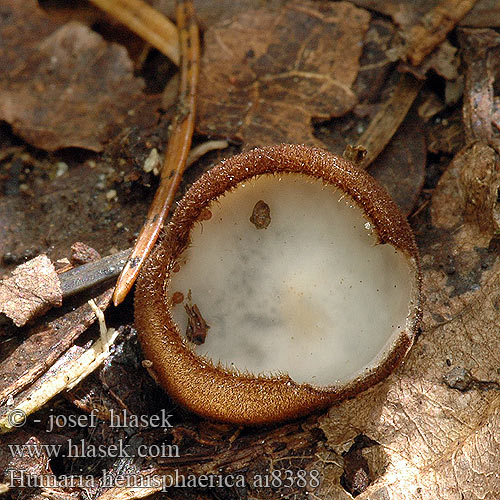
[89, 271]
[267, 74]
[443, 60]
[481, 55]
[64, 86]
[32, 289]
[83, 254]
[432, 29]
[69, 370]
[42, 380]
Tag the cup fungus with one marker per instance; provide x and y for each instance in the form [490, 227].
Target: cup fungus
[287, 280]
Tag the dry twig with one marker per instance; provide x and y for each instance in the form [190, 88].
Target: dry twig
[481, 53]
[66, 373]
[425, 36]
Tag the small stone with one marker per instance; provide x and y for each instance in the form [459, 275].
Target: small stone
[111, 194]
[62, 168]
[153, 162]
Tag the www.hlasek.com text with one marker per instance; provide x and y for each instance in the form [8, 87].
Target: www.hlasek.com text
[83, 449]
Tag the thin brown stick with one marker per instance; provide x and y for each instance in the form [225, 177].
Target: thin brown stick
[146, 22]
[425, 36]
[177, 150]
[388, 119]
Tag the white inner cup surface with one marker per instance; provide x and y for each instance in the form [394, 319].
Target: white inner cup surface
[313, 295]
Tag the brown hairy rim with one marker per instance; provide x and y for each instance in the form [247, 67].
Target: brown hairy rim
[223, 395]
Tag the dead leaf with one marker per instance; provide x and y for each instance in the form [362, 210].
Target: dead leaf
[375, 63]
[467, 195]
[484, 14]
[64, 86]
[400, 168]
[436, 439]
[266, 74]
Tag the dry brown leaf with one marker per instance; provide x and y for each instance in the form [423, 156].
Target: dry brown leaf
[400, 168]
[63, 85]
[486, 13]
[375, 63]
[496, 113]
[266, 74]
[438, 442]
[474, 174]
